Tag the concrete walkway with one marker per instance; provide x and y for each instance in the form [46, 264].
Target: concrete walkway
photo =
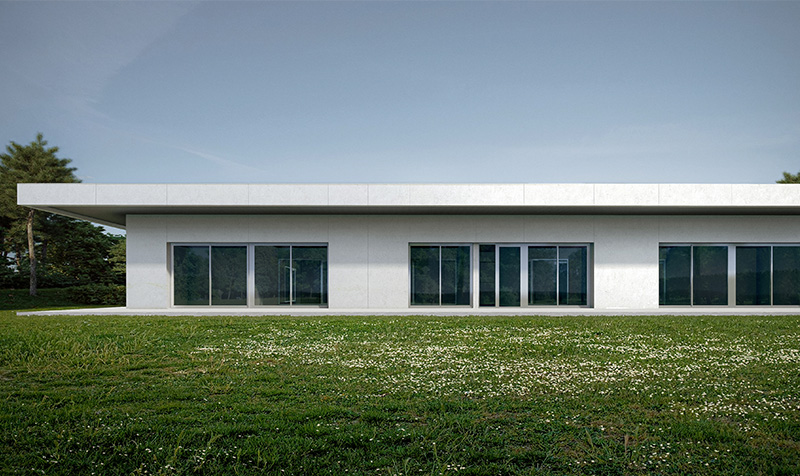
[232, 311]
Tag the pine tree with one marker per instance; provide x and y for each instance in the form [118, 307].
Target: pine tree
[789, 178]
[32, 163]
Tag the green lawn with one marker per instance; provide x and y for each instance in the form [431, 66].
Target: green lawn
[399, 395]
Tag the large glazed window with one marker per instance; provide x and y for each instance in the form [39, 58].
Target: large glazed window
[741, 275]
[675, 277]
[210, 275]
[786, 275]
[310, 283]
[557, 275]
[229, 275]
[190, 275]
[486, 273]
[710, 271]
[241, 275]
[543, 275]
[514, 275]
[753, 275]
[508, 277]
[572, 271]
[291, 275]
[693, 275]
[768, 274]
[440, 275]
[273, 275]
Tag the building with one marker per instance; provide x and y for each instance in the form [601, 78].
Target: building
[449, 248]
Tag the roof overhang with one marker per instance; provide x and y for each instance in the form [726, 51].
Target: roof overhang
[109, 204]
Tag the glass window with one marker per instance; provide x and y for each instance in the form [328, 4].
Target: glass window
[440, 275]
[753, 275]
[310, 267]
[786, 275]
[425, 275]
[573, 281]
[763, 275]
[693, 275]
[487, 274]
[710, 278]
[675, 275]
[455, 275]
[509, 276]
[557, 275]
[290, 275]
[542, 275]
[229, 275]
[273, 272]
[190, 275]
[217, 275]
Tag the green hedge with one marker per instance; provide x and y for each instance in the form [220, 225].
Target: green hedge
[99, 294]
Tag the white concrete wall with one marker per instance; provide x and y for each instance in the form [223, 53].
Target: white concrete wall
[368, 258]
[147, 279]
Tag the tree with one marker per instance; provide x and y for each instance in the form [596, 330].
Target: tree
[117, 256]
[32, 163]
[789, 178]
[75, 253]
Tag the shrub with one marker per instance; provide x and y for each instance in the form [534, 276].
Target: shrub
[99, 294]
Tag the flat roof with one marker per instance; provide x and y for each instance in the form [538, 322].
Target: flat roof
[109, 204]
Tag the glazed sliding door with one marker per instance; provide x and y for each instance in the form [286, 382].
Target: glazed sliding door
[273, 273]
[310, 275]
[542, 275]
[228, 275]
[190, 282]
[486, 271]
[508, 275]
[288, 275]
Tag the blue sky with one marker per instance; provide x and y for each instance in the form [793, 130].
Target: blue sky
[407, 91]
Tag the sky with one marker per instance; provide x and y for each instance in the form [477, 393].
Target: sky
[382, 92]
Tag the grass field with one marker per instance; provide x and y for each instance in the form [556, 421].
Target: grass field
[392, 395]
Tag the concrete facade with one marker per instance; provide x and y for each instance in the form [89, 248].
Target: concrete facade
[369, 228]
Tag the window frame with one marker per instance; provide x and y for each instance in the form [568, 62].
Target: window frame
[524, 279]
[732, 288]
[470, 275]
[250, 288]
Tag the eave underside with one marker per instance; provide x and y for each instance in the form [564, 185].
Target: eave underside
[116, 215]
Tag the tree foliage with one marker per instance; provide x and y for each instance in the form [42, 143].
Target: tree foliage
[48, 249]
[790, 178]
[32, 163]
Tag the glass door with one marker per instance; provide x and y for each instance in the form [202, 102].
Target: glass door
[508, 275]
[291, 275]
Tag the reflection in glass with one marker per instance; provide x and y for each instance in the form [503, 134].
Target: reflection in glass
[425, 275]
[310, 280]
[228, 275]
[289, 275]
[455, 275]
[542, 275]
[572, 279]
[487, 273]
[786, 275]
[675, 270]
[273, 273]
[710, 284]
[190, 275]
[509, 276]
[752, 275]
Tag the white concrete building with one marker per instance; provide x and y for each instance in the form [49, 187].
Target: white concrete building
[454, 248]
